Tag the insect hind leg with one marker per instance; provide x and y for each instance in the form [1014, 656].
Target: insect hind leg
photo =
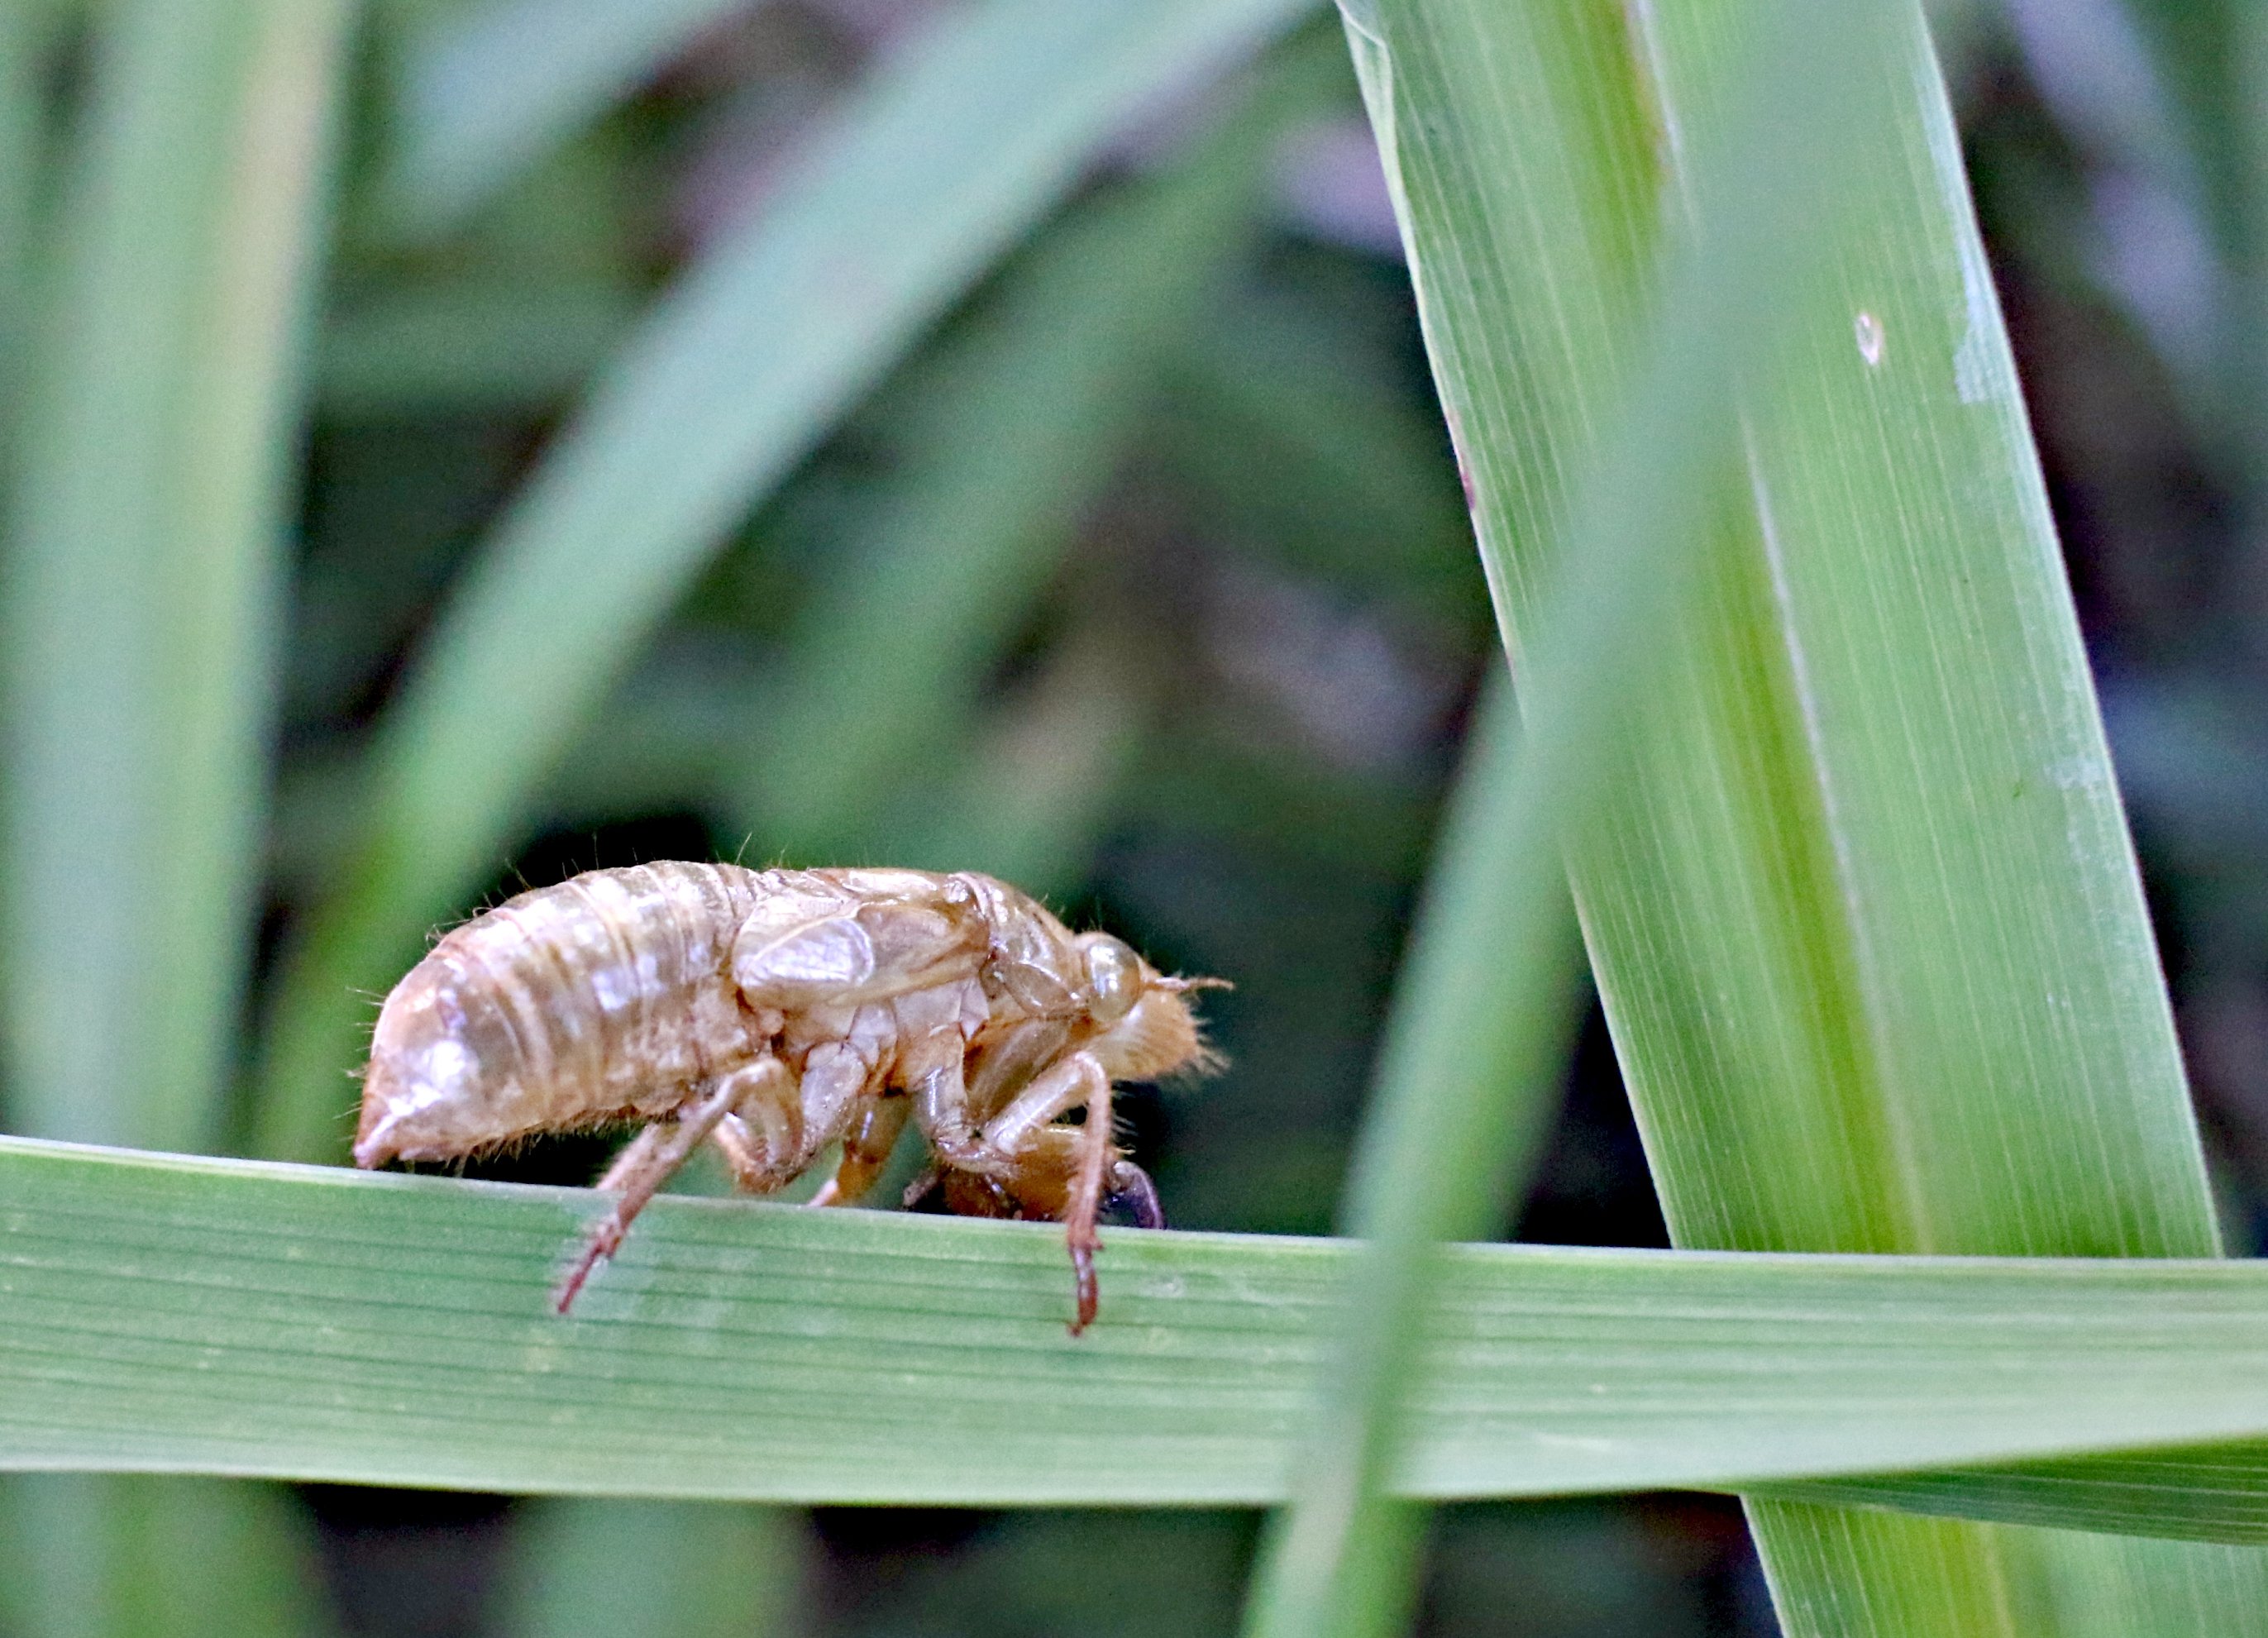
[636, 1156]
[639, 1173]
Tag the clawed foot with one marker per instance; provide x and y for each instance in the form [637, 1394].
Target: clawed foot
[1082, 1265]
[1131, 1188]
[605, 1240]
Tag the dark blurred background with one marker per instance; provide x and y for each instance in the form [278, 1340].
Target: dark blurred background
[1215, 693]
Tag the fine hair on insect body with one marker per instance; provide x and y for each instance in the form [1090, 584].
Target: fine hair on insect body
[772, 1013]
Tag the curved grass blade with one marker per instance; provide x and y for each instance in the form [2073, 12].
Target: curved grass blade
[746, 363]
[1012, 429]
[995, 441]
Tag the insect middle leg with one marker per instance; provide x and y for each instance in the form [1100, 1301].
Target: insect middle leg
[934, 1066]
[991, 1080]
[779, 1126]
[868, 1142]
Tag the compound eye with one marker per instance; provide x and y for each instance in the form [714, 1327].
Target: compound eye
[1114, 977]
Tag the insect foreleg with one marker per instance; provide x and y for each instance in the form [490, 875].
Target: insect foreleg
[1087, 1189]
[1005, 1065]
[1065, 1086]
[763, 1135]
[1016, 1131]
[641, 1174]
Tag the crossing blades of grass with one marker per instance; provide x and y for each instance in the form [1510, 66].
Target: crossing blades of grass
[1861, 905]
[1483, 998]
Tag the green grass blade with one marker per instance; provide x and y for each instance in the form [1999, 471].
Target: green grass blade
[1480, 1021]
[937, 166]
[94, 1555]
[2008, 1040]
[1992, 1067]
[146, 530]
[1864, 914]
[29, 35]
[231, 1317]
[487, 95]
[146, 560]
[584, 1568]
[2218, 1492]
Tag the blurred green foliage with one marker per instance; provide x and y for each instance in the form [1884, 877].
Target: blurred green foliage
[1128, 563]
[1121, 553]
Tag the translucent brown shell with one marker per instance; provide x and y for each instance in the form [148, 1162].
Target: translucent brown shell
[774, 1012]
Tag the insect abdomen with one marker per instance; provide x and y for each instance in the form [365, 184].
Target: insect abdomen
[607, 995]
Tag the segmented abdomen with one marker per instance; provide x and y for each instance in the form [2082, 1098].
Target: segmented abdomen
[607, 995]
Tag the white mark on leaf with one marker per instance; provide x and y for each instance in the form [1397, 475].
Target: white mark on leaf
[1869, 331]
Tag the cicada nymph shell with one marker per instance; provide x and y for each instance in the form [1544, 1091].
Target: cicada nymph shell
[774, 1012]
